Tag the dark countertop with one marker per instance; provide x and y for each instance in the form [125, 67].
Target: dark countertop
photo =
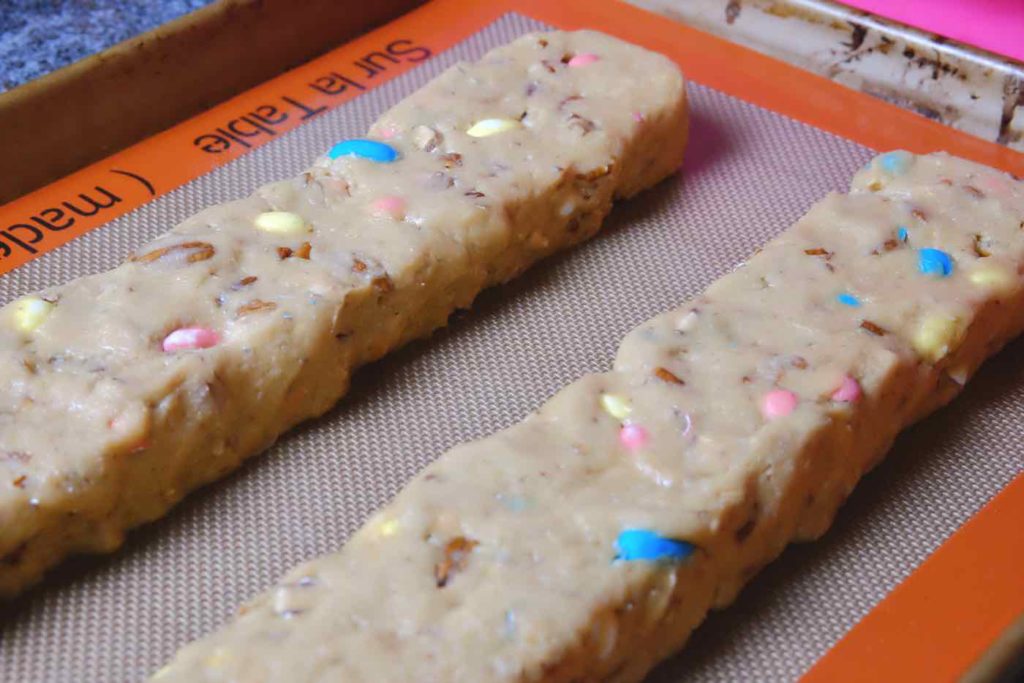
[40, 36]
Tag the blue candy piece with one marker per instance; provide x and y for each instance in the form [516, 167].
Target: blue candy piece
[848, 300]
[896, 163]
[934, 262]
[642, 544]
[510, 623]
[364, 149]
[512, 503]
[903, 234]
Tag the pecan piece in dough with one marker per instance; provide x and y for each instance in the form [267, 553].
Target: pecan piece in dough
[197, 251]
[426, 138]
[981, 245]
[383, 283]
[584, 125]
[594, 174]
[254, 306]
[451, 160]
[456, 557]
[666, 375]
[871, 327]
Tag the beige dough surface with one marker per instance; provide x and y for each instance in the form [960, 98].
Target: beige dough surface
[123, 391]
[728, 427]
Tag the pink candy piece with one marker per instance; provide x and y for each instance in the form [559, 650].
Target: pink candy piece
[848, 391]
[188, 338]
[639, 117]
[387, 133]
[993, 185]
[583, 59]
[389, 206]
[778, 403]
[633, 436]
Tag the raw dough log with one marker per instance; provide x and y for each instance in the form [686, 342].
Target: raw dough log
[586, 543]
[121, 392]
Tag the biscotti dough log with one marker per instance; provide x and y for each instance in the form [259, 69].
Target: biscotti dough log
[121, 392]
[585, 543]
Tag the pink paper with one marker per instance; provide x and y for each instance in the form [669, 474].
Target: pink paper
[994, 25]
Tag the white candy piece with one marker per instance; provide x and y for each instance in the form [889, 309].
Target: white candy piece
[488, 127]
[281, 223]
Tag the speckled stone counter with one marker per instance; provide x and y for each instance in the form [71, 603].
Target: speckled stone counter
[40, 36]
[960, 86]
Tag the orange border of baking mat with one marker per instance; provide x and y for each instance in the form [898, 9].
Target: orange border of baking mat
[940, 621]
[943, 617]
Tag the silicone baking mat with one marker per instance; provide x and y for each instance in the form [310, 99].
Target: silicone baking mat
[749, 173]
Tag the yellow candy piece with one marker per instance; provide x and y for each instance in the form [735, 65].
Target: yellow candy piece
[995, 278]
[487, 127]
[30, 312]
[281, 223]
[388, 527]
[383, 527]
[935, 336]
[616, 406]
[218, 658]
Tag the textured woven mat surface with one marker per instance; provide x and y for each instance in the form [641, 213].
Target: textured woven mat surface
[748, 175]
